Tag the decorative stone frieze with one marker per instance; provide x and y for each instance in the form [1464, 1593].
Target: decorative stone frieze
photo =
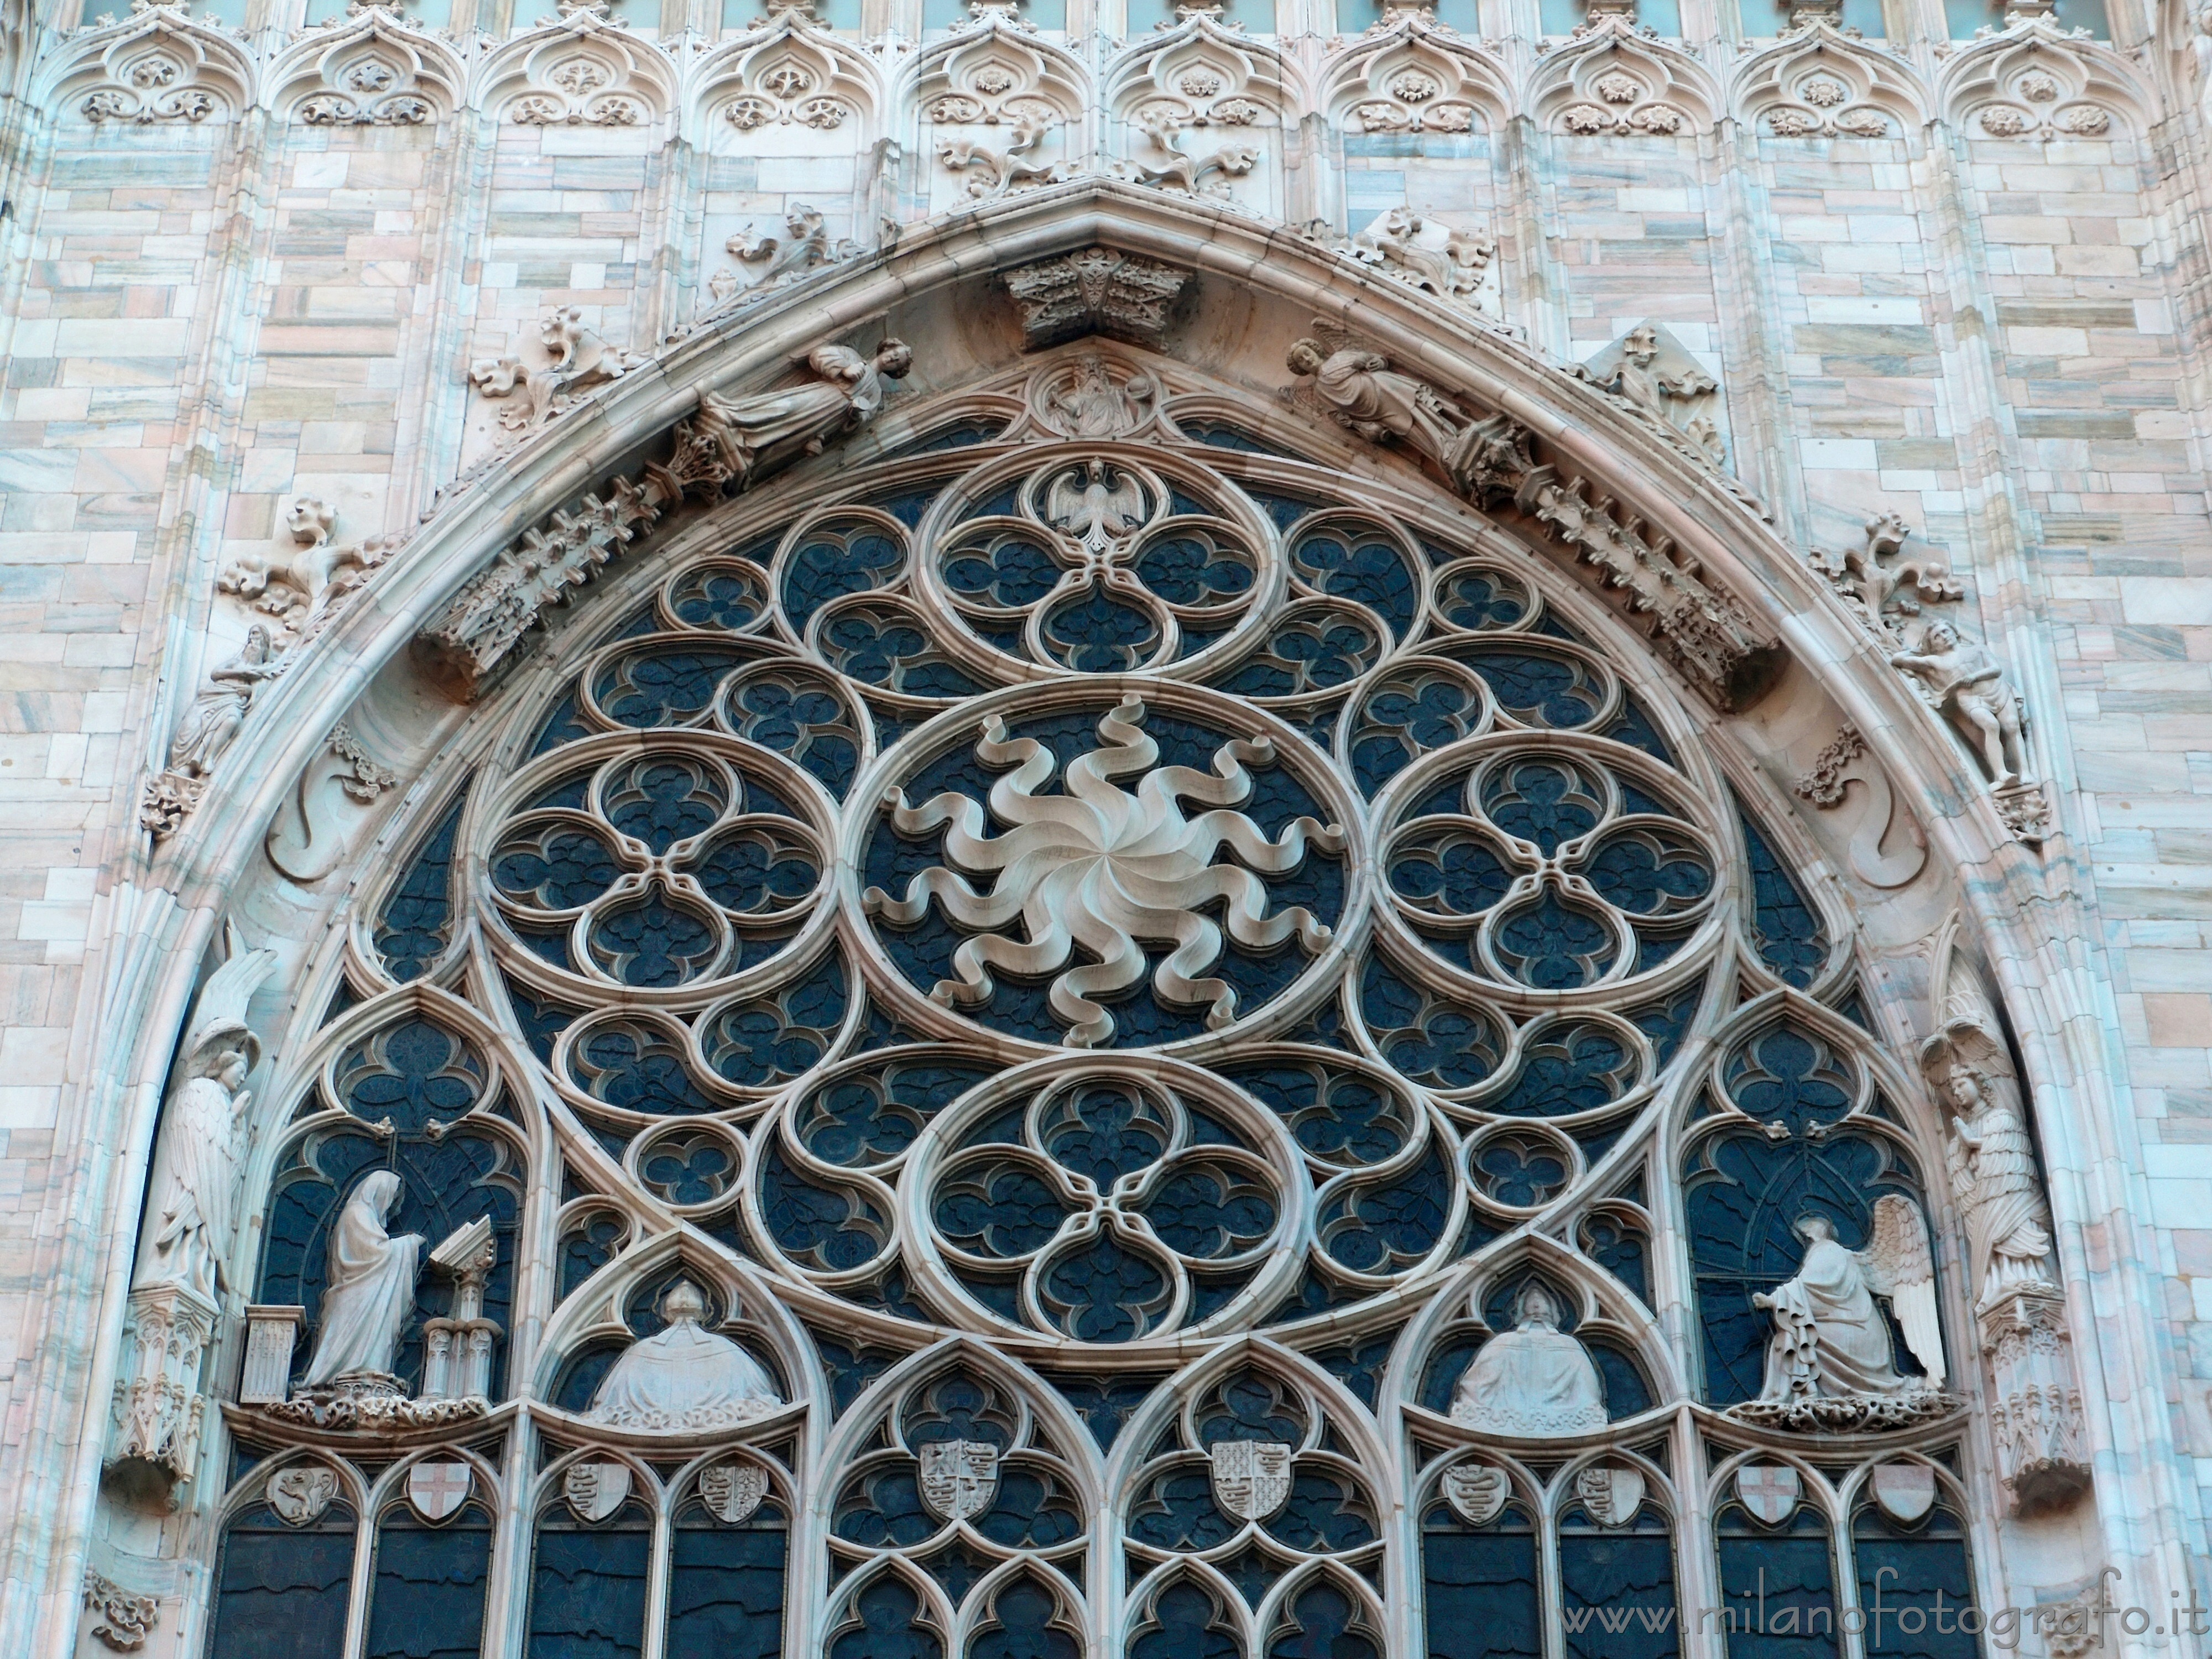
[1820, 83]
[1095, 290]
[160, 67]
[1614, 82]
[2037, 81]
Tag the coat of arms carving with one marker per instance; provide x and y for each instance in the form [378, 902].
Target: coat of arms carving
[437, 1489]
[960, 1478]
[1769, 1491]
[1610, 1495]
[302, 1493]
[595, 1491]
[733, 1490]
[1476, 1491]
[1251, 1478]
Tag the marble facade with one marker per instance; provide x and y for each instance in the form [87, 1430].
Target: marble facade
[1829, 383]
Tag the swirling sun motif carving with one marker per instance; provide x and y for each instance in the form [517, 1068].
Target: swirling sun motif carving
[1102, 869]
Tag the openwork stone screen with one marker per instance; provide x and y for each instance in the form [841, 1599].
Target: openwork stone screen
[1113, 966]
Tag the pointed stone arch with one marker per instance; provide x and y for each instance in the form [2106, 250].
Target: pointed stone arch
[997, 111]
[1820, 83]
[1414, 76]
[376, 70]
[601, 494]
[2034, 80]
[580, 72]
[159, 67]
[1612, 82]
[791, 74]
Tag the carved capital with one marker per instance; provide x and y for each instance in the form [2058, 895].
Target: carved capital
[1095, 290]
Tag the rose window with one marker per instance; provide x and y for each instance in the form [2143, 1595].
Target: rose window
[1076, 988]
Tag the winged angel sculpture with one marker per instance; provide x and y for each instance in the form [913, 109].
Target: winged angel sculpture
[1829, 1365]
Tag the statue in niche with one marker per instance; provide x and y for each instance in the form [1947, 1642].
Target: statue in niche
[195, 1180]
[750, 435]
[1534, 1380]
[683, 1378]
[368, 1297]
[218, 705]
[1967, 684]
[1988, 1154]
[1830, 1362]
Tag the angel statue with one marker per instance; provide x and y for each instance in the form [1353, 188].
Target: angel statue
[1829, 1342]
[195, 1182]
[752, 435]
[1967, 683]
[1991, 1164]
[218, 705]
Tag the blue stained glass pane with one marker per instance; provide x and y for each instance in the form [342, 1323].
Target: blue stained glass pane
[1554, 945]
[1106, 1292]
[891, 1626]
[1576, 1068]
[1620, 1249]
[1788, 1076]
[1384, 1228]
[1436, 1045]
[280, 1592]
[1184, 1623]
[662, 685]
[866, 1117]
[411, 1075]
[417, 924]
[1284, 510]
[665, 800]
[637, 1066]
[562, 725]
[1327, 1510]
[828, 565]
[1667, 1022]
[588, 1246]
[998, 1208]
[1619, 1573]
[1453, 870]
[1359, 1365]
[1322, 1625]
[1480, 1588]
[828, 1229]
[725, 1592]
[1633, 727]
[1478, 599]
[850, 1368]
[1542, 801]
[1798, 1580]
[1741, 1213]
[427, 1601]
[1520, 1173]
[1311, 650]
[1925, 1570]
[1372, 572]
[1097, 634]
[1408, 715]
[730, 596]
[908, 505]
[886, 648]
[1626, 1392]
[1191, 569]
[1105, 1404]
[803, 720]
[1790, 939]
[654, 942]
[767, 1041]
[557, 868]
[1340, 1115]
[587, 1589]
[1176, 1512]
[1009, 571]
[961, 434]
[1648, 872]
[1536, 687]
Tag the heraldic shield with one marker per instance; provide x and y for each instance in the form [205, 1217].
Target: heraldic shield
[960, 1478]
[1251, 1478]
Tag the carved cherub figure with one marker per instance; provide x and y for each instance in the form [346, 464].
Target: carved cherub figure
[1968, 683]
